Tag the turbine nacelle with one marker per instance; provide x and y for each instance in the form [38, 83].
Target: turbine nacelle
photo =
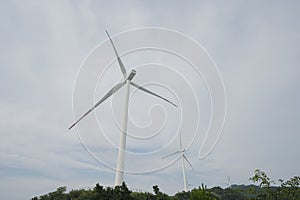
[131, 75]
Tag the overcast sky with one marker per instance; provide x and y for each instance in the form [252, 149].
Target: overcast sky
[255, 45]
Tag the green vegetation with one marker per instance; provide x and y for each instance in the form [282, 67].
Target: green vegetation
[288, 190]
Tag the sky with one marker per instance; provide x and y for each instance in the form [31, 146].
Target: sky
[254, 45]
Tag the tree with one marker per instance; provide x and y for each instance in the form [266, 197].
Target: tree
[75, 194]
[261, 177]
[183, 195]
[289, 189]
[125, 192]
[202, 193]
[156, 190]
[158, 194]
[59, 194]
[142, 196]
[265, 183]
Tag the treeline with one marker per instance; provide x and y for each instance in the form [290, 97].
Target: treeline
[288, 190]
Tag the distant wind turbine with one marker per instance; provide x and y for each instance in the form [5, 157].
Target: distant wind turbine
[183, 160]
[127, 81]
[229, 182]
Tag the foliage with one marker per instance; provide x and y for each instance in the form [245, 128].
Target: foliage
[229, 193]
[183, 195]
[202, 193]
[159, 195]
[288, 190]
[261, 177]
[142, 196]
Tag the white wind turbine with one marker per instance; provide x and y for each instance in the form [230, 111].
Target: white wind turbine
[183, 160]
[127, 81]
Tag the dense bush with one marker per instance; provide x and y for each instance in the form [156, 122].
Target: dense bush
[288, 190]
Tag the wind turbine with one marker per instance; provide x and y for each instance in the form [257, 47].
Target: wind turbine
[229, 182]
[183, 160]
[127, 81]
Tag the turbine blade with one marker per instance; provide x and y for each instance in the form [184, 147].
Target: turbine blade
[180, 141]
[118, 57]
[108, 94]
[187, 161]
[176, 152]
[148, 91]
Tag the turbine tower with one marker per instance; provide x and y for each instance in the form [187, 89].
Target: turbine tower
[183, 160]
[127, 82]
